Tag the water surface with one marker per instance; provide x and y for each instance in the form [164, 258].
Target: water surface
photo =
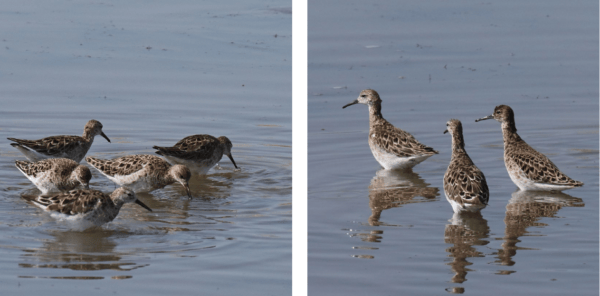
[393, 233]
[152, 73]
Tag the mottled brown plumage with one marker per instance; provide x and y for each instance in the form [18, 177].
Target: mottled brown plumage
[142, 172]
[464, 184]
[198, 152]
[55, 174]
[392, 147]
[71, 147]
[89, 205]
[528, 168]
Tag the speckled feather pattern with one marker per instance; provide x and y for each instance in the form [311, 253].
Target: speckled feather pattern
[518, 155]
[138, 172]
[72, 202]
[464, 184]
[392, 147]
[396, 141]
[71, 147]
[55, 174]
[198, 152]
[196, 147]
[128, 165]
[528, 168]
[90, 205]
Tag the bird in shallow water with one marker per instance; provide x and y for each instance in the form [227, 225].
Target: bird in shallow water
[71, 147]
[464, 184]
[392, 147]
[198, 152]
[87, 207]
[142, 173]
[55, 174]
[527, 168]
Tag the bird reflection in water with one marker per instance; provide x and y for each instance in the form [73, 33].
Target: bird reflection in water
[79, 251]
[524, 209]
[465, 231]
[391, 189]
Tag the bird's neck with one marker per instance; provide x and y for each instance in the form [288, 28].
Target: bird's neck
[375, 112]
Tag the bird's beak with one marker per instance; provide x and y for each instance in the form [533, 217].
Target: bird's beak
[137, 201]
[484, 118]
[445, 131]
[231, 157]
[353, 102]
[102, 134]
[187, 189]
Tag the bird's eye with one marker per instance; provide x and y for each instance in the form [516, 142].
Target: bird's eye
[363, 96]
[497, 112]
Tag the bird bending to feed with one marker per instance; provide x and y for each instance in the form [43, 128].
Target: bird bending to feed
[464, 184]
[55, 174]
[527, 168]
[91, 206]
[392, 147]
[198, 152]
[71, 147]
[142, 173]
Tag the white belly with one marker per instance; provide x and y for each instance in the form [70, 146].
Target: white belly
[457, 208]
[520, 179]
[391, 161]
[200, 167]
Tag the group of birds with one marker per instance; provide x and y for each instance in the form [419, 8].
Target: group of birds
[54, 168]
[465, 186]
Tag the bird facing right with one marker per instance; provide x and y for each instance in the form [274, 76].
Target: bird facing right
[527, 168]
[464, 184]
[55, 174]
[71, 147]
[198, 152]
[87, 207]
[142, 173]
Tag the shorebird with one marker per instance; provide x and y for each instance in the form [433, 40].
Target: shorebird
[142, 173]
[527, 168]
[392, 147]
[198, 152]
[85, 206]
[55, 174]
[464, 184]
[71, 147]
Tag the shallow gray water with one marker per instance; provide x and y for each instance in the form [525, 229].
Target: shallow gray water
[152, 73]
[387, 233]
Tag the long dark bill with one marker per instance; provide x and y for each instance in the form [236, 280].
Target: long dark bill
[137, 201]
[102, 134]
[231, 157]
[484, 118]
[354, 102]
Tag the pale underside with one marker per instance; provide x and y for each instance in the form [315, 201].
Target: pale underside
[139, 181]
[391, 161]
[75, 150]
[466, 207]
[200, 167]
[45, 183]
[524, 183]
[49, 176]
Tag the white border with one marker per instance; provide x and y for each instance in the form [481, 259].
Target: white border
[299, 147]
